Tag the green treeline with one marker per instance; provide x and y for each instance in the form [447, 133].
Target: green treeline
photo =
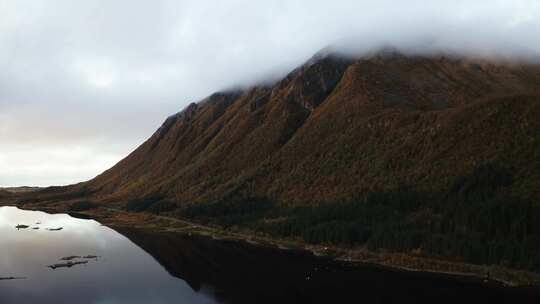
[82, 206]
[472, 221]
[154, 204]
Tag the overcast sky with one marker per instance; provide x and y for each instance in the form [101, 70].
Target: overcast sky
[83, 83]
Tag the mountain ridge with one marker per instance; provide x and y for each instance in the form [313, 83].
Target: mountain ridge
[268, 117]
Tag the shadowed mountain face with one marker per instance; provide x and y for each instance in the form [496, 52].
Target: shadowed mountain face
[334, 128]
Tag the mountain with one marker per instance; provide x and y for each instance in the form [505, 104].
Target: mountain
[437, 155]
[335, 127]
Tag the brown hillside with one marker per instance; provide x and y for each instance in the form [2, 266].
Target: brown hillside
[335, 128]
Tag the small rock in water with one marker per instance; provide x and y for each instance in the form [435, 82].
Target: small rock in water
[67, 265]
[55, 229]
[71, 257]
[91, 257]
[35, 228]
[11, 278]
[21, 226]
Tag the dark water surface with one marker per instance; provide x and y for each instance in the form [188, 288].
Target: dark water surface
[143, 267]
[122, 274]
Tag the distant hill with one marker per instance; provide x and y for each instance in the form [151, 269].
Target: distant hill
[4, 193]
[432, 154]
[22, 189]
[8, 192]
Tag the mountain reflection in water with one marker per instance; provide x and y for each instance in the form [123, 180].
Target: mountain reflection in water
[120, 273]
[242, 273]
[156, 267]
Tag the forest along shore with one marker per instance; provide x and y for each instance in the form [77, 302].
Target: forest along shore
[118, 219]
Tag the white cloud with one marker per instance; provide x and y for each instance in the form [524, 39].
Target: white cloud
[42, 165]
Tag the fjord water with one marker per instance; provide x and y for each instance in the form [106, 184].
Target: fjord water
[122, 273]
[138, 266]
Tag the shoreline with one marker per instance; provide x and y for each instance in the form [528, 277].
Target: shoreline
[489, 275]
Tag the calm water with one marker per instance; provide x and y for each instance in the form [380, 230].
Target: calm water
[142, 267]
[123, 273]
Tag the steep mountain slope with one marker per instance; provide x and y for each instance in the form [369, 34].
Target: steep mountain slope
[337, 127]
